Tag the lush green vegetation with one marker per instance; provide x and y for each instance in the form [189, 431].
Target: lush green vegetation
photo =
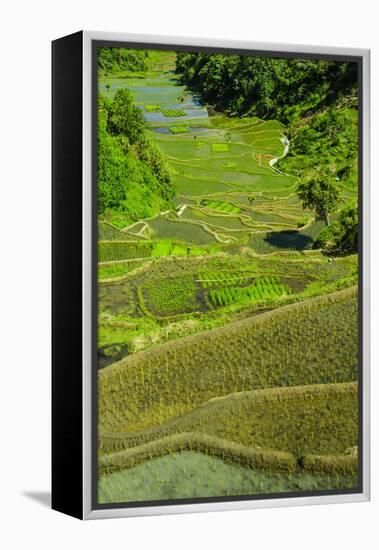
[279, 89]
[341, 236]
[121, 324]
[116, 60]
[228, 304]
[263, 289]
[169, 297]
[119, 269]
[172, 112]
[132, 176]
[325, 141]
[221, 205]
[152, 108]
[180, 129]
[112, 250]
[316, 99]
[220, 147]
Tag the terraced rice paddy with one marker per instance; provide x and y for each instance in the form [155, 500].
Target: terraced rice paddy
[189, 474]
[220, 156]
[228, 349]
[234, 358]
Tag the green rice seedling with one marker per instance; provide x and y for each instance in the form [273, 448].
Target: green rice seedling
[152, 108]
[220, 147]
[172, 112]
[118, 269]
[221, 206]
[169, 296]
[263, 288]
[201, 144]
[179, 129]
[109, 251]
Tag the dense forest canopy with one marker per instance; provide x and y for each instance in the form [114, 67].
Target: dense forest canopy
[114, 60]
[280, 89]
[341, 237]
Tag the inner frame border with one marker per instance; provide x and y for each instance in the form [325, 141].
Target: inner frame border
[92, 41]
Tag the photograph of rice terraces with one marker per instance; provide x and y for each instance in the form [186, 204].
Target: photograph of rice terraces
[227, 276]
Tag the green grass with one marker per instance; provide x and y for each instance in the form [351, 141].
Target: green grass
[285, 347]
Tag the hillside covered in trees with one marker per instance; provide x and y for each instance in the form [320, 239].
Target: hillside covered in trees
[115, 60]
[279, 89]
[133, 179]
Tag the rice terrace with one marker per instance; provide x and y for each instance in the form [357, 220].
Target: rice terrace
[227, 275]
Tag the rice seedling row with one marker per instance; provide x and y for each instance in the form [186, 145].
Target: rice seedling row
[285, 347]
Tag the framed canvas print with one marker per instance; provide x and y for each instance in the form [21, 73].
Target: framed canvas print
[210, 275]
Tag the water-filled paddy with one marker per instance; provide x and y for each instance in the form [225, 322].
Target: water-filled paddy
[191, 474]
[180, 230]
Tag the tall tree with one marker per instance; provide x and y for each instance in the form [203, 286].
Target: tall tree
[124, 118]
[321, 193]
[341, 236]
